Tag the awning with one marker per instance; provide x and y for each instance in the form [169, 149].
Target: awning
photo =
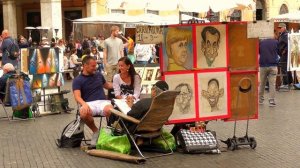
[293, 17]
[115, 18]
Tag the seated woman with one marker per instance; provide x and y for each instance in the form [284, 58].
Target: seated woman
[127, 83]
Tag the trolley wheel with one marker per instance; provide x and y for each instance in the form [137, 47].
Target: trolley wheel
[232, 145]
[253, 143]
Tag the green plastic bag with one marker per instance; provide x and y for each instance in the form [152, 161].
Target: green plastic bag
[110, 142]
[20, 113]
[160, 143]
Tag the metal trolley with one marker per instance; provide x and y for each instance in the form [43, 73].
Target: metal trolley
[234, 142]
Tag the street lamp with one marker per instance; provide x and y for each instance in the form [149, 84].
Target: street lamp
[29, 32]
[56, 31]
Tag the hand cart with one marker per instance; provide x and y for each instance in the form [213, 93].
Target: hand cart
[234, 142]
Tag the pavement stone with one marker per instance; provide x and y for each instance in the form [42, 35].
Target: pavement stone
[32, 143]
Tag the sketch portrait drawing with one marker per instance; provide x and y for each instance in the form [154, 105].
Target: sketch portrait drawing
[178, 48]
[211, 46]
[183, 100]
[295, 52]
[213, 93]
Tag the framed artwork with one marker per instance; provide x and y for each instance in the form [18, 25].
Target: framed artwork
[213, 95]
[177, 48]
[140, 71]
[146, 89]
[148, 73]
[243, 104]
[47, 80]
[184, 107]
[32, 60]
[44, 61]
[243, 52]
[211, 41]
[24, 60]
[294, 52]
[157, 75]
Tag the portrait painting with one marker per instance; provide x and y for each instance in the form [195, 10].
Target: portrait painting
[213, 96]
[243, 104]
[242, 50]
[157, 74]
[211, 46]
[294, 51]
[145, 89]
[184, 107]
[24, 60]
[178, 48]
[148, 73]
[140, 71]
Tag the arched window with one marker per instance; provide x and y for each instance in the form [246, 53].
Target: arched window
[260, 10]
[283, 9]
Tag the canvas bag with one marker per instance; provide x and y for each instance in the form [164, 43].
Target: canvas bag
[72, 134]
[19, 92]
[197, 142]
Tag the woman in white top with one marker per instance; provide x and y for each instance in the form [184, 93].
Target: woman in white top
[74, 64]
[127, 83]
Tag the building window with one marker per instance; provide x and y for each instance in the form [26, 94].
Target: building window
[236, 15]
[283, 9]
[155, 12]
[122, 11]
[260, 10]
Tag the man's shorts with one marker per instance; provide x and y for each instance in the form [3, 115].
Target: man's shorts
[97, 106]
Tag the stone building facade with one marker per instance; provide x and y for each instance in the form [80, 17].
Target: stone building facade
[58, 14]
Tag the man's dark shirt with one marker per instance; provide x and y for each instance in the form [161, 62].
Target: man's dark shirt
[268, 51]
[91, 86]
[283, 46]
[6, 44]
[138, 110]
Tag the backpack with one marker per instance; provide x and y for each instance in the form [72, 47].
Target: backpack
[13, 50]
[72, 134]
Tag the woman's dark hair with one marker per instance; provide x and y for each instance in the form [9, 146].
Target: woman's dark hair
[131, 69]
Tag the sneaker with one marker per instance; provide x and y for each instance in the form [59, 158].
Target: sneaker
[284, 87]
[272, 103]
[94, 138]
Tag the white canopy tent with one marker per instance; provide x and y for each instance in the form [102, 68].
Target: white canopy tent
[293, 17]
[116, 18]
[182, 5]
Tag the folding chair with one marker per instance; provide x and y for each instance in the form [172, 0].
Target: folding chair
[150, 126]
[85, 140]
[4, 105]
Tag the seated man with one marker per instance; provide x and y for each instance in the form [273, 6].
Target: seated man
[89, 93]
[139, 109]
[8, 70]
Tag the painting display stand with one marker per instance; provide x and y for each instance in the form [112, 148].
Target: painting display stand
[234, 142]
[53, 102]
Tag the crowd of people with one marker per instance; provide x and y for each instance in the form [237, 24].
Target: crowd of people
[273, 57]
